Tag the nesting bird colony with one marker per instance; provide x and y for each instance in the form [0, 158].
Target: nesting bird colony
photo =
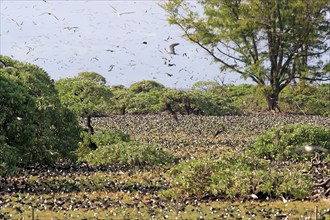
[123, 192]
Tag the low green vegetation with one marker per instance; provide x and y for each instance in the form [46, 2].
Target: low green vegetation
[288, 142]
[234, 176]
[129, 154]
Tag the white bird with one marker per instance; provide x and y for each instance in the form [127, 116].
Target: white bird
[254, 196]
[122, 13]
[284, 200]
[311, 148]
[172, 48]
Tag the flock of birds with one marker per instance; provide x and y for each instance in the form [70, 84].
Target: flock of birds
[137, 52]
[197, 131]
[114, 187]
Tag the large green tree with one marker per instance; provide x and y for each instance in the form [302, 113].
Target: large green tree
[85, 96]
[33, 120]
[16, 121]
[272, 42]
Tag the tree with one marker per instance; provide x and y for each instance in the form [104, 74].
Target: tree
[92, 76]
[16, 121]
[54, 129]
[145, 86]
[272, 42]
[85, 96]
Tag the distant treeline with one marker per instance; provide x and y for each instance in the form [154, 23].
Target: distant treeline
[212, 98]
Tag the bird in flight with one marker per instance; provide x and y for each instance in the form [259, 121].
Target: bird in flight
[169, 74]
[122, 13]
[48, 13]
[172, 48]
[71, 28]
[111, 68]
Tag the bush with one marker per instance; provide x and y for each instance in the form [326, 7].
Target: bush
[32, 119]
[286, 142]
[16, 122]
[129, 153]
[109, 137]
[103, 138]
[236, 176]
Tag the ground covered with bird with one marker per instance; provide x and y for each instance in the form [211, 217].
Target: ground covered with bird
[196, 167]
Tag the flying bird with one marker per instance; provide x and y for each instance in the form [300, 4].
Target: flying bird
[169, 74]
[122, 13]
[18, 24]
[48, 13]
[94, 58]
[71, 28]
[172, 48]
[111, 68]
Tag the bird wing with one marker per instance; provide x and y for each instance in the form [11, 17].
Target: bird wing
[127, 12]
[172, 50]
[115, 10]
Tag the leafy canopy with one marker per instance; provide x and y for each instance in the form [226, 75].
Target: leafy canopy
[29, 94]
[272, 42]
[85, 94]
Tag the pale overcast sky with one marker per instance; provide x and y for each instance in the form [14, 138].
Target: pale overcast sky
[67, 37]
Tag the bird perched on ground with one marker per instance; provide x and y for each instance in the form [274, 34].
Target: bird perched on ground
[172, 48]
[311, 148]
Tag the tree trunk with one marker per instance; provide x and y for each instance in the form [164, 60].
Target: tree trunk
[272, 101]
[90, 131]
[89, 125]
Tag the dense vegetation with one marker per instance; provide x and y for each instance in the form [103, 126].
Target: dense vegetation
[81, 143]
[34, 124]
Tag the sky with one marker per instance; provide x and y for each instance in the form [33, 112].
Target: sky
[124, 41]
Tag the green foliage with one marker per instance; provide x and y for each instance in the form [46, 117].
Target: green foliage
[144, 102]
[129, 153]
[234, 176]
[206, 86]
[92, 76]
[54, 130]
[210, 98]
[101, 139]
[234, 33]
[108, 137]
[198, 102]
[16, 122]
[306, 99]
[286, 142]
[145, 86]
[84, 96]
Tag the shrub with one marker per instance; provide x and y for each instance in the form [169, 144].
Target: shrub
[108, 137]
[34, 123]
[236, 176]
[286, 142]
[103, 138]
[129, 153]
